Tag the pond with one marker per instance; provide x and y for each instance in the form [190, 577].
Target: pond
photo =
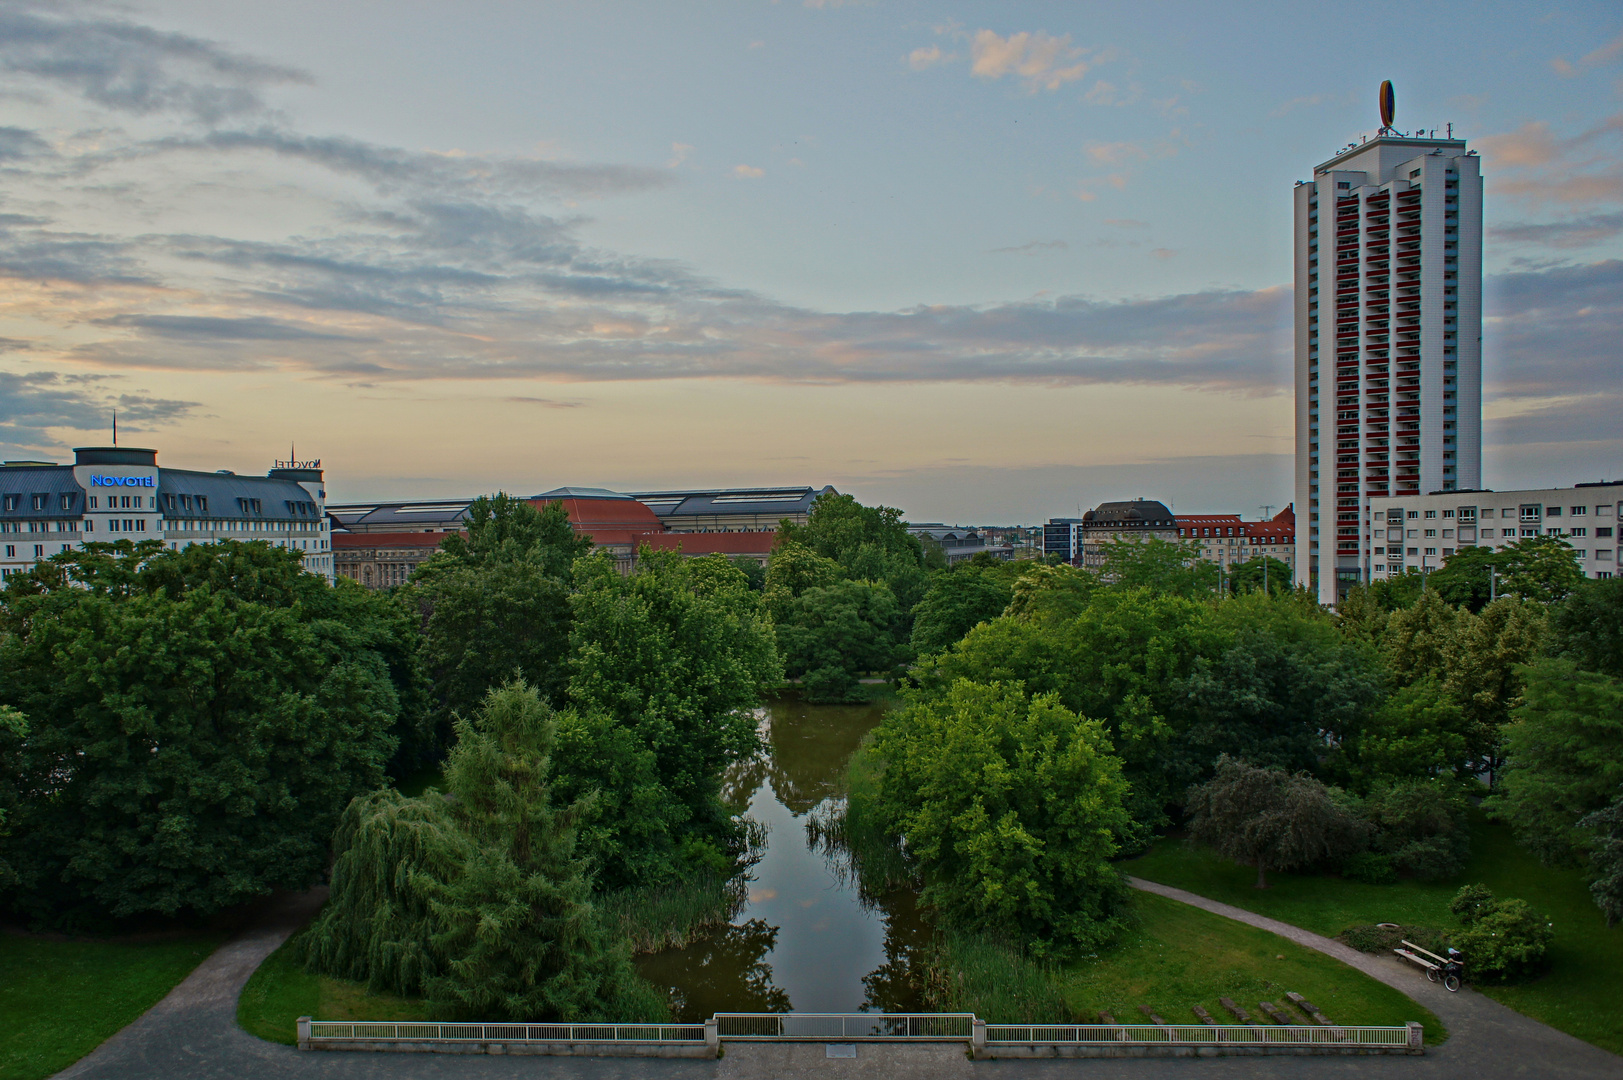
[805, 940]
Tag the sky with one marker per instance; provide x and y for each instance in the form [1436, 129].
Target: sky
[989, 263]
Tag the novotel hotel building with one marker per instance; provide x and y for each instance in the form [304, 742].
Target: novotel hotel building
[113, 493]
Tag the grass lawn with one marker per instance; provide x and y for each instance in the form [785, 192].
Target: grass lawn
[62, 999]
[281, 991]
[1578, 993]
[1179, 956]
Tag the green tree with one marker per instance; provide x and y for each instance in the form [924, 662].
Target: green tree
[794, 568]
[1048, 592]
[1125, 659]
[1011, 806]
[831, 635]
[1417, 731]
[494, 603]
[970, 593]
[1167, 567]
[198, 720]
[476, 898]
[1259, 573]
[502, 528]
[1285, 684]
[1588, 628]
[870, 543]
[1271, 818]
[1420, 639]
[1422, 826]
[1465, 579]
[13, 726]
[669, 663]
[1606, 859]
[1483, 670]
[1564, 758]
[1539, 568]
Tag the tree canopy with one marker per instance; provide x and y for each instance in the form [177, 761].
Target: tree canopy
[1271, 818]
[476, 898]
[197, 721]
[1011, 805]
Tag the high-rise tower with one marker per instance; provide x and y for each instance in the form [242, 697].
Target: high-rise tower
[1388, 341]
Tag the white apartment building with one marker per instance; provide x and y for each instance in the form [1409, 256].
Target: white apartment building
[1388, 291]
[119, 493]
[1420, 532]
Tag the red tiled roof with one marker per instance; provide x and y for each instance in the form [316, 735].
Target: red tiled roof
[734, 543]
[625, 513]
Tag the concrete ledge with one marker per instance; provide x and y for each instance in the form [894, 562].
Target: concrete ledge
[553, 1049]
[1071, 1050]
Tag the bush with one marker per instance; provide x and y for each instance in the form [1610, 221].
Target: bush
[1503, 940]
[1370, 867]
[1383, 939]
[1422, 827]
[830, 686]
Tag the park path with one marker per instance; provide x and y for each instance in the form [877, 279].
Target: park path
[1477, 1025]
[193, 1034]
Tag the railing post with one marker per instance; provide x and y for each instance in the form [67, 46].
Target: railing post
[1417, 1037]
[304, 1033]
[977, 1034]
[712, 1036]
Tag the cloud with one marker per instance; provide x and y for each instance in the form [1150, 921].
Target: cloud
[135, 69]
[1035, 58]
[1163, 253]
[546, 403]
[679, 154]
[392, 169]
[1606, 54]
[1126, 223]
[921, 58]
[1035, 247]
[1535, 164]
[33, 404]
[201, 328]
[1576, 233]
[17, 144]
[748, 172]
[1116, 153]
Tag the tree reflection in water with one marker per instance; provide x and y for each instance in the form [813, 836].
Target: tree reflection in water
[726, 971]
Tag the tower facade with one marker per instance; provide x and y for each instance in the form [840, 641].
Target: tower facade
[1388, 343]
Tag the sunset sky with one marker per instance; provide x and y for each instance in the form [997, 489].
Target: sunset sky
[986, 262]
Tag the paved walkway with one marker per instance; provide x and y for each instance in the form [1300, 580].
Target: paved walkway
[193, 1034]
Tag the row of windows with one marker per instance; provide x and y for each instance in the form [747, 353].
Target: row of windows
[39, 501]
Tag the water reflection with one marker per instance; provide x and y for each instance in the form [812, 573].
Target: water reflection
[805, 939]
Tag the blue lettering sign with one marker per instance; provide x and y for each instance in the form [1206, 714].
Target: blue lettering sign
[122, 481]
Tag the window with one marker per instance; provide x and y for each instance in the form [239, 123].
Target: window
[38, 502]
[1447, 533]
[1414, 551]
[39, 551]
[1487, 513]
[1529, 532]
[11, 551]
[202, 504]
[1431, 513]
[1414, 513]
[1603, 530]
[1581, 553]
[11, 501]
[1486, 534]
[1581, 530]
[67, 501]
[1343, 185]
[1552, 511]
[140, 524]
[1431, 533]
[1413, 533]
[1431, 551]
[92, 502]
[1579, 510]
[1603, 554]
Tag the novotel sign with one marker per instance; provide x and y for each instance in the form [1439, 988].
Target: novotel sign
[122, 481]
[314, 464]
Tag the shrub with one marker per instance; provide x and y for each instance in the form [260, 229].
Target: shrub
[1370, 867]
[1383, 939]
[830, 686]
[1503, 939]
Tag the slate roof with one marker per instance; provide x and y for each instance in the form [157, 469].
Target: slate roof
[279, 500]
[784, 501]
[1145, 513]
[51, 481]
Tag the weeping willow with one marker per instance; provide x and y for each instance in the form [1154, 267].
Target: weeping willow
[475, 899]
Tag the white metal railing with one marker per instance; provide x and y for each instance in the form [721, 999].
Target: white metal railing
[335, 1031]
[1197, 1035]
[845, 1026]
